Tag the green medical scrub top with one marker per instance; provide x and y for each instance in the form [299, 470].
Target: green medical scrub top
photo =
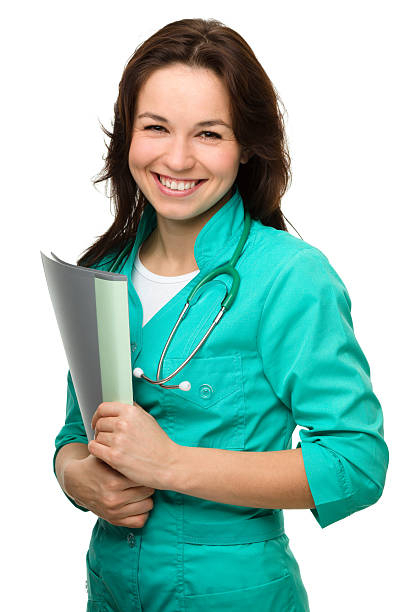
[285, 355]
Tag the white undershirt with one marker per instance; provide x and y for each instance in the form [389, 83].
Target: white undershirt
[154, 290]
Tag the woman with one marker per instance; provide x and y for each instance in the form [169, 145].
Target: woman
[189, 485]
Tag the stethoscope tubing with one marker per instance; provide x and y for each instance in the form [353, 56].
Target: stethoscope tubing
[227, 302]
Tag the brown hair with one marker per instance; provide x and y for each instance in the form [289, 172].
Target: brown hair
[256, 120]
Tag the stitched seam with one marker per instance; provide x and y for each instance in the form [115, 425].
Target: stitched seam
[341, 474]
[242, 413]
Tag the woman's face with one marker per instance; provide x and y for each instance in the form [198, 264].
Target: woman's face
[174, 145]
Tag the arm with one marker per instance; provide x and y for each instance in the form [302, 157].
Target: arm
[71, 442]
[275, 479]
[69, 452]
[317, 369]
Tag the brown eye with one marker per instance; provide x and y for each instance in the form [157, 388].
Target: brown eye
[206, 135]
[148, 127]
[212, 135]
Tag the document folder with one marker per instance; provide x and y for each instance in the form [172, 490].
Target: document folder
[91, 308]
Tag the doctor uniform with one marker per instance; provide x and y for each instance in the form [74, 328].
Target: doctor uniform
[284, 355]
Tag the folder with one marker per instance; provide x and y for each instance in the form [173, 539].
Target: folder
[91, 309]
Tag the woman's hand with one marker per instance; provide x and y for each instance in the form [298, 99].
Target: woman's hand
[131, 441]
[110, 495]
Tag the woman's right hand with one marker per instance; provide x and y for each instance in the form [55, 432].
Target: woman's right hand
[96, 486]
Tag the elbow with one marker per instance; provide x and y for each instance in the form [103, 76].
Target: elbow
[366, 480]
[342, 484]
[366, 496]
[368, 487]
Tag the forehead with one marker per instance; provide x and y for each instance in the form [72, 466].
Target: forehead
[182, 89]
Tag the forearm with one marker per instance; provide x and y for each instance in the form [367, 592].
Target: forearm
[69, 452]
[275, 479]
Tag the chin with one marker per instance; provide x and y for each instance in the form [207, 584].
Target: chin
[179, 211]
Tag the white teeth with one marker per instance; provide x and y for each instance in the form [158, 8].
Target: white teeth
[181, 186]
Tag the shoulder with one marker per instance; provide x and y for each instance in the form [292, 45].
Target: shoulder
[280, 245]
[281, 257]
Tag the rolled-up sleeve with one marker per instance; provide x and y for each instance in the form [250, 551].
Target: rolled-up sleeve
[316, 367]
[73, 430]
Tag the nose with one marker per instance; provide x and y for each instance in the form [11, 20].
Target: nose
[179, 155]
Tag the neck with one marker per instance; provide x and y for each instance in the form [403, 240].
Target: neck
[172, 242]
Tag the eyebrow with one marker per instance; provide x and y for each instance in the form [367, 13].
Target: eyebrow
[207, 123]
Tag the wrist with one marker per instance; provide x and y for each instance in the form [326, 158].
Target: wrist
[173, 472]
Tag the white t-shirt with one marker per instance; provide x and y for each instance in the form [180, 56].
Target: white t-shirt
[154, 290]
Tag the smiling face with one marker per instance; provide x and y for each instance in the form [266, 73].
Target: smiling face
[172, 144]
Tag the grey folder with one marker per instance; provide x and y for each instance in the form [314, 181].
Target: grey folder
[91, 308]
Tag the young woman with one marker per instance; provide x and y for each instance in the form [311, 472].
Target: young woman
[190, 481]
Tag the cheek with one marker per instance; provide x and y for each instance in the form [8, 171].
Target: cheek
[223, 161]
[141, 152]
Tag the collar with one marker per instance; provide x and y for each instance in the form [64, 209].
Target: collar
[215, 242]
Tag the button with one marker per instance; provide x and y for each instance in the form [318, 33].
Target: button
[131, 539]
[134, 346]
[205, 391]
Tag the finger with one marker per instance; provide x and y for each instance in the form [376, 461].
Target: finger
[105, 424]
[94, 419]
[133, 496]
[137, 521]
[106, 409]
[101, 451]
[132, 509]
[104, 437]
[130, 484]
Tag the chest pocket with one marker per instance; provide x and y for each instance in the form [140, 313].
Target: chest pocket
[212, 413]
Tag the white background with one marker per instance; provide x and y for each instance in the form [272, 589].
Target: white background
[336, 66]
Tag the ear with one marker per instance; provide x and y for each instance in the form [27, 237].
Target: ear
[245, 156]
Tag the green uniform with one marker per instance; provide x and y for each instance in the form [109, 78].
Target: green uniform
[284, 355]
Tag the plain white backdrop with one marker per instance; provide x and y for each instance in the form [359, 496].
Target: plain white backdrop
[337, 69]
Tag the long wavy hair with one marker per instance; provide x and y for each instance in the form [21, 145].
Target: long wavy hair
[256, 120]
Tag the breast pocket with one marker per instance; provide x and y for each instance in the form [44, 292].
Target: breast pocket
[212, 413]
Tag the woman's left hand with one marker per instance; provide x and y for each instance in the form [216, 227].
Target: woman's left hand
[131, 441]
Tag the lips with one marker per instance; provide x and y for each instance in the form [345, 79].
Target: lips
[178, 180]
[180, 193]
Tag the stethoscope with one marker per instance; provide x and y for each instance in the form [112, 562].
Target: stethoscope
[227, 268]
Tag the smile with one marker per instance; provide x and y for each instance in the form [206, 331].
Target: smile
[177, 188]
